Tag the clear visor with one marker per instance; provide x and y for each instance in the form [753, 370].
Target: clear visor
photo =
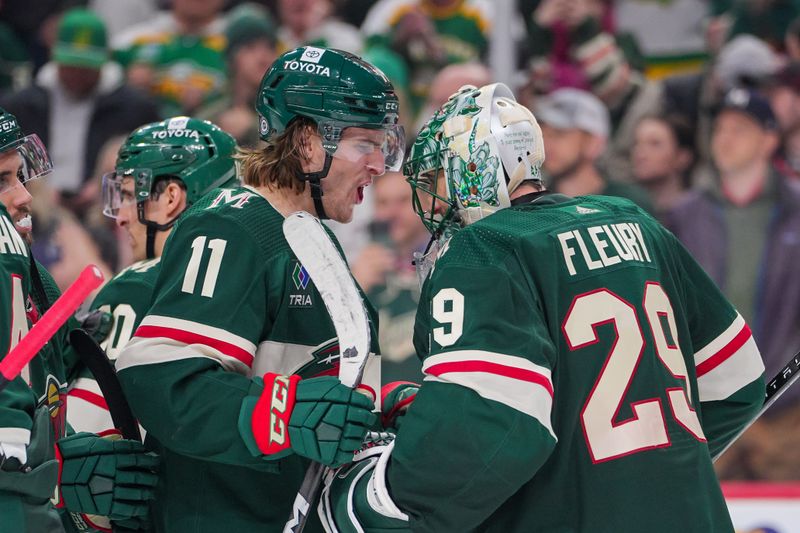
[124, 189]
[23, 161]
[385, 146]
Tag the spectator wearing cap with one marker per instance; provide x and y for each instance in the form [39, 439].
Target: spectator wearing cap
[744, 229]
[79, 99]
[575, 127]
[250, 33]
[744, 61]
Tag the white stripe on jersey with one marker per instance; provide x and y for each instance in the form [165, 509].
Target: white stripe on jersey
[148, 351]
[281, 357]
[199, 329]
[510, 380]
[83, 413]
[288, 358]
[15, 435]
[728, 363]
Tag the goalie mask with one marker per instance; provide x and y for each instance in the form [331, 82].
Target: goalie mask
[471, 155]
[337, 90]
[196, 152]
[34, 160]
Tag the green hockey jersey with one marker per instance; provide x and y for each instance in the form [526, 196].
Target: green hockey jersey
[127, 297]
[33, 406]
[231, 302]
[580, 368]
[17, 400]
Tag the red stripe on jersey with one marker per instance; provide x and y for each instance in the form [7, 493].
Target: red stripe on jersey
[492, 368]
[725, 352]
[187, 337]
[89, 396]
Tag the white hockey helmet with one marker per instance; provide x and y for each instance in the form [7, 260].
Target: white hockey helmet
[484, 144]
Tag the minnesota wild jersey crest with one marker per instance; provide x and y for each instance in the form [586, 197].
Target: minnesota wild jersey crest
[55, 400]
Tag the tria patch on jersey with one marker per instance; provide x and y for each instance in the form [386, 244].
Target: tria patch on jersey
[301, 297]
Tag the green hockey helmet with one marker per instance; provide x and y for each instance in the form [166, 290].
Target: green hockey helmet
[35, 161]
[336, 90]
[473, 152]
[197, 152]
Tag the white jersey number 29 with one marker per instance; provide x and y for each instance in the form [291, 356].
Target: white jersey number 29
[647, 428]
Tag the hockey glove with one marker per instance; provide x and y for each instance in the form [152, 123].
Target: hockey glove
[112, 478]
[98, 324]
[356, 498]
[318, 418]
[396, 397]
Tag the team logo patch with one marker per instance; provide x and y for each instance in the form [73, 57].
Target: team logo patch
[55, 399]
[312, 54]
[302, 295]
[263, 126]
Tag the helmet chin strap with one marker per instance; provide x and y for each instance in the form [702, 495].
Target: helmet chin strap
[152, 228]
[313, 179]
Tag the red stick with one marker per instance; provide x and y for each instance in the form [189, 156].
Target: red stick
[41, 332]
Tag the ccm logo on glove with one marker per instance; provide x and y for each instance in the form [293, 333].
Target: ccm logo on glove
[277, 408]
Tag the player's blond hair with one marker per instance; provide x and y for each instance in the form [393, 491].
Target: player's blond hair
[280, 161]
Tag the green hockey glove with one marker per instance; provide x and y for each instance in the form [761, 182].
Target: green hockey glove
[98, 324]
[396, 397]
[318, 418]
[356, 498]
[112, 478]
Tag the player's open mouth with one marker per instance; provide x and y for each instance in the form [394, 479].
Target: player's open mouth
[360, 194]
[25, 224]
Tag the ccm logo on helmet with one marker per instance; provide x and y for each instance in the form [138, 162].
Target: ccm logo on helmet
[8, 125]
[307, 67]
[169, 134]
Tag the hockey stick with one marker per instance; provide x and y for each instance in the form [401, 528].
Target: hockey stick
[318, 255]
[47, 326]
[777, 386]
[96, 360]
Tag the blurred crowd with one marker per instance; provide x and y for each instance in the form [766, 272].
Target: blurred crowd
[690, 108]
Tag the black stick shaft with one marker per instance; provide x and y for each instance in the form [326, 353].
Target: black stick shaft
[95, 359]
[775, 388]
[306, 497]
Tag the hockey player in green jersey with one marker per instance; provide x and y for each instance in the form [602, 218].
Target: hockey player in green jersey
[162, 168]
[232, 371]
[581, 369]
[37, 461]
